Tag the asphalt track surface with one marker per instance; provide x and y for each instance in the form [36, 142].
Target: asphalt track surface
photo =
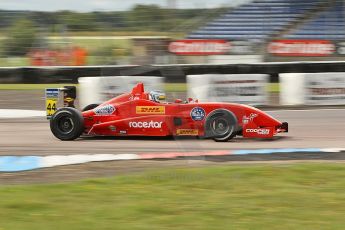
[324, 128]
[308, 129]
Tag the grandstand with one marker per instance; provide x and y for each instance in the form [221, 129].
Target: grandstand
[263, 20]
[329, 25]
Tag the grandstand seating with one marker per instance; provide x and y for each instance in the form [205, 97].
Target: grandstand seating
[329, 25]
[257, 20]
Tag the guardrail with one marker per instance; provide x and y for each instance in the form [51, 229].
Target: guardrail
[172, 73]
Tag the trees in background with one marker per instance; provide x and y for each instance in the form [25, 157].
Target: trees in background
[139, 18]
[23, 30]
[19, 38]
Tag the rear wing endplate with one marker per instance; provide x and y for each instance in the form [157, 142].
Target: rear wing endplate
[53, 95]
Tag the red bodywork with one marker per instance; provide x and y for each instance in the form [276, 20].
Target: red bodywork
[132, 114]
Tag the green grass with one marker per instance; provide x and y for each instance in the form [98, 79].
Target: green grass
[14, 61]
[299, 196]
[30, 87]
[273, 88]
[175, 87]
[169, 87]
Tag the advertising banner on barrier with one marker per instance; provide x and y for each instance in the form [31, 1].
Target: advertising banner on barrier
[206, 47]
[324, 88]
[199, 47]
[238, 88]
[312, 88]
[302, 48]
[94, 90]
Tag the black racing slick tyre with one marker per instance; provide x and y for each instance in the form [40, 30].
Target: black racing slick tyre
[221, 125]
[67, 124]
[89, 107]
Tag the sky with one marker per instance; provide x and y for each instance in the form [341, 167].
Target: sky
[106, 5]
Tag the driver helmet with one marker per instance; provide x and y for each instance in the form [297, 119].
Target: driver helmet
[157, 96]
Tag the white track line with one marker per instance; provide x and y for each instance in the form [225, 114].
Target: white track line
[19, 113]
[301, 110]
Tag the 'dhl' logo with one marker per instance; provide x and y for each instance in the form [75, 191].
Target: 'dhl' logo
[150, 109]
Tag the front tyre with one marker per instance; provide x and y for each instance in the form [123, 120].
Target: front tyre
[221, 125]
[67, 124]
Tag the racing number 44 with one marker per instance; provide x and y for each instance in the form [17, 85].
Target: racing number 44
[51, 107]
[52, 97]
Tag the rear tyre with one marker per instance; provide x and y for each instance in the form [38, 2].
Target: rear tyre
[67, 124]
[221, 125]
[89, 107]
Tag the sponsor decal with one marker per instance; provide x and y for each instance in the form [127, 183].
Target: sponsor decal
[199, 47]
[187, 132]
[52, 93]
[250, 118]
[135, 98]
[123, 132]
[146, 124]
[259, 131]
[301, 48]
[197, 114]
[150, 110]
[105, 110]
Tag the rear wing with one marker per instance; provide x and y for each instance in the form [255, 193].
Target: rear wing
[53, 96]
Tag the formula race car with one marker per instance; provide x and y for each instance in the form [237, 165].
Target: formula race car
[140, 113]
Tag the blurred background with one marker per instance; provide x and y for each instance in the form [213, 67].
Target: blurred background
[47, 33]
[273, 54]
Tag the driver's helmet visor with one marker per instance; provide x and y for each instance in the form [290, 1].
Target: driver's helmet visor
[162, 98]
[158, 96]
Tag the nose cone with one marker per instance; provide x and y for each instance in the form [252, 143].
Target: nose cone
[261, 118]
[267, 120]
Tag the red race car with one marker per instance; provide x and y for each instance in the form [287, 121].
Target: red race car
[139, 113]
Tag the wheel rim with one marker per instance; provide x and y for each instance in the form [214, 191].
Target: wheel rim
[220, 126]
[65, 125]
